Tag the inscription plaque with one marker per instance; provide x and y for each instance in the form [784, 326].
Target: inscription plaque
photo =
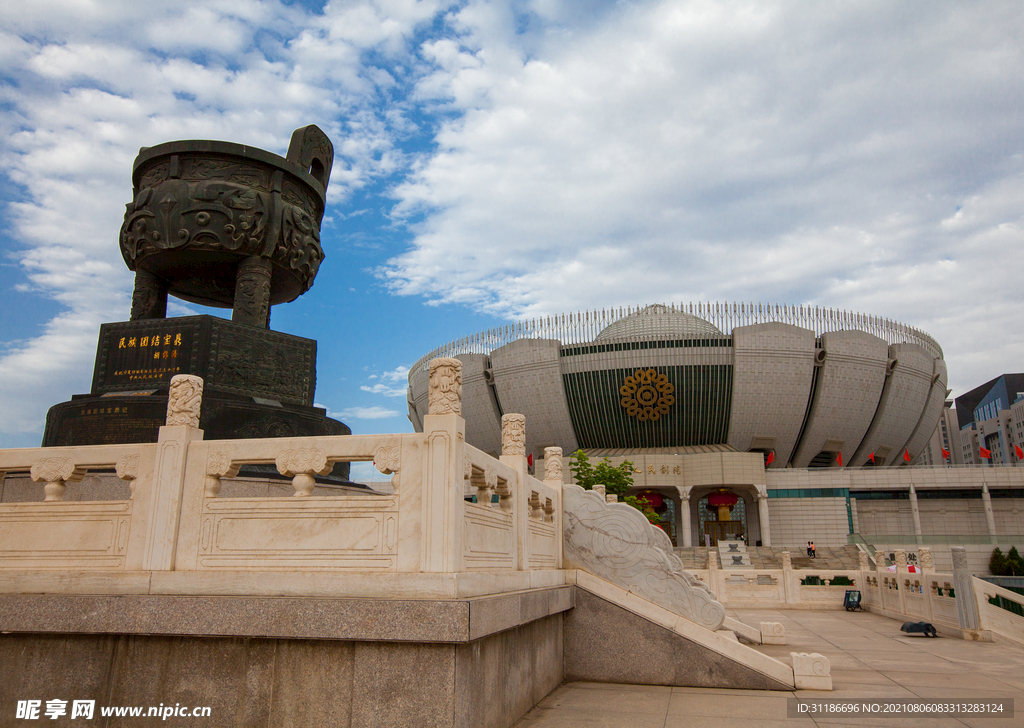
[230, 357]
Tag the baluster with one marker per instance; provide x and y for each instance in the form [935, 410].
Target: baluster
[55, 472]
[536, 511]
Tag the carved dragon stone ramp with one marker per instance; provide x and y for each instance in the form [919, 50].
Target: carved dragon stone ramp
[626, 570]
[616, 542]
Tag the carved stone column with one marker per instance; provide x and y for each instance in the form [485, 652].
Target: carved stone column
[555, 477]
[513, 454]
[444, 465]
[252, 292]
[925, 561]
[762, 513]
[184, 400]
[149, 299]
[900, 556]
[684, 516]
[963, 583]
[513, 434]
[990, 520]
[553, 465]
[445, 394]
[862, 561]
[162, 504]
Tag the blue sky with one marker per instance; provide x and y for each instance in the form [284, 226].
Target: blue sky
[498, 160]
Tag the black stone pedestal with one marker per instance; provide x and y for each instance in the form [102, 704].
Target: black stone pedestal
[257, 383]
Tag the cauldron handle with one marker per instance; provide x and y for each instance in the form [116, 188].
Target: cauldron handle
[312, 150]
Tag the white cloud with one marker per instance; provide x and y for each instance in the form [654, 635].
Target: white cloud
[742, 151]
[387, 391]
[364, 413]
[863, 155]
[87, 84]
[399, 375]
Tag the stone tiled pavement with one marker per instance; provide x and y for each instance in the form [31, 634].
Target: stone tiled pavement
[871, 659]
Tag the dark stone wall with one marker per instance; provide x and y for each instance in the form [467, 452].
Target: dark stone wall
[606, 643]
[489, 682]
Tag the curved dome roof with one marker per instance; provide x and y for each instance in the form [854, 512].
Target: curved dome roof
[658, 322]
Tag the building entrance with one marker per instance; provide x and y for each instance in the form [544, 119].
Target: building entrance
[722, 516]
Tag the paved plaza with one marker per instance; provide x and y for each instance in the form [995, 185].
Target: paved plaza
[871, 659]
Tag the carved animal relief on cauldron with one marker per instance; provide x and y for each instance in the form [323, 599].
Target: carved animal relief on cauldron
[226, 225]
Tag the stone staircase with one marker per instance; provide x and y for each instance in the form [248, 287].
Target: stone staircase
[733, 555]
[770, 557]
[695, 557]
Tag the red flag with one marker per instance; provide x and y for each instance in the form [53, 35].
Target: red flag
[771, 458]
[945, 453]
[906, 455]
[839, 458]
[985, 453]
[1020, 453]
[529, 460]
[871, 457]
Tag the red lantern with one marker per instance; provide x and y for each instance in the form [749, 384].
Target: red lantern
[654, 499]
[724, 498]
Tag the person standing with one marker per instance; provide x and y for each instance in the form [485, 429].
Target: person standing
[814, 554]
[808, 549]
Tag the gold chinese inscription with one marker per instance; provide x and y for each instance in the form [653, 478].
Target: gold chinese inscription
[130, 342]
[647, 395]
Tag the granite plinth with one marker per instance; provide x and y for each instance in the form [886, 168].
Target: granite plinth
[256, 383]
[113, 419]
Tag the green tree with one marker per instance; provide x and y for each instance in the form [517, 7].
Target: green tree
[616, 479]
[644, 506]
[1014, 562]
[997, 563]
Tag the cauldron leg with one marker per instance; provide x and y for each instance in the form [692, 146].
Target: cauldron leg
[252, 292]
[149, 299]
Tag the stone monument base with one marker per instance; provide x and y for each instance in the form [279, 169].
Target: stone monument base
[257, 383]
[126, 418]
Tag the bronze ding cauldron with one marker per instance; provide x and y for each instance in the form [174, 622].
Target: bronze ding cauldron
[226, 225]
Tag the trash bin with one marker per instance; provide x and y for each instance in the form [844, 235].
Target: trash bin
[852, 600]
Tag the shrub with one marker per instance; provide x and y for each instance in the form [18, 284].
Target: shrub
[644, 506]
[616, 479]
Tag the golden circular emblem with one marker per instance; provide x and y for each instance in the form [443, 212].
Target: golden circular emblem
[647, 395]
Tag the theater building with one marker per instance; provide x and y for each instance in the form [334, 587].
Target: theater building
[762, 420]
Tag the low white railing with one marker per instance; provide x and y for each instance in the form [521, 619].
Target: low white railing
[1004, 616]
[779, 588]
[52, 534]
[176, 520]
